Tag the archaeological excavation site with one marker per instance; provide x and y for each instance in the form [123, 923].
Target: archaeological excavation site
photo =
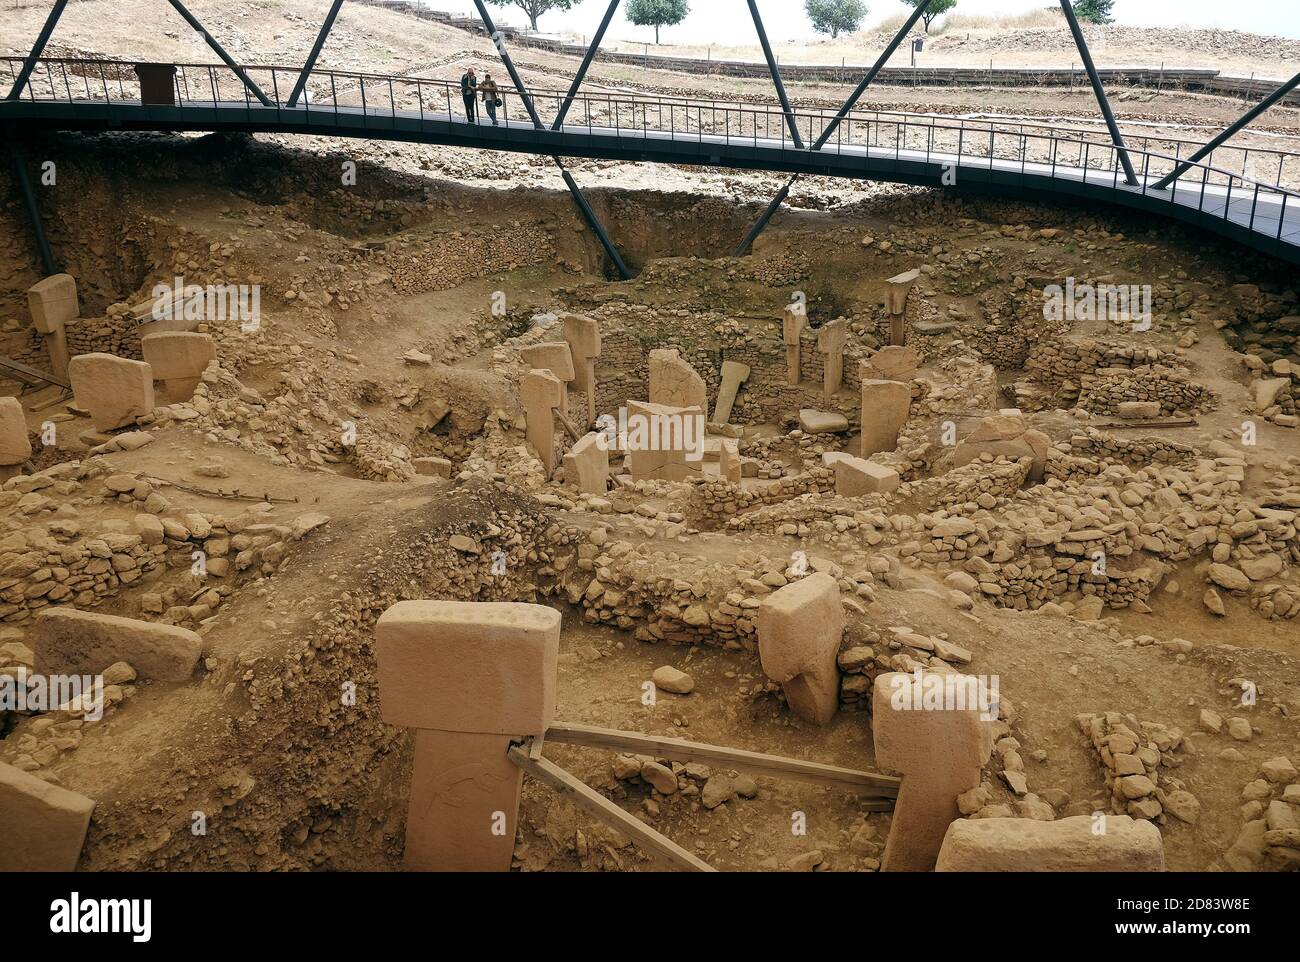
[432, 441]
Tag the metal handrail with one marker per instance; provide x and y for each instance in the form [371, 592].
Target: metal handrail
[665, 99]
[628, 113]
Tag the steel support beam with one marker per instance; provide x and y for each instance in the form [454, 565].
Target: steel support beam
[585, 66]
[33, 208]
[594, 222]
[587, 212]
[307, 68]
[220, 51]
[768, 214]
[776, 76]
[871, 75]
[1220, 139]
[1130, 175]
[37, 49]
[500, 42]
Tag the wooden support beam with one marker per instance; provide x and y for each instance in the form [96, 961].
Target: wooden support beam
[679, 750]
[596, 804]
[570, 428]
[29, 375]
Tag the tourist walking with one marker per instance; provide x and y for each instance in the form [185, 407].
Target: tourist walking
[469, 93]
[491, 100]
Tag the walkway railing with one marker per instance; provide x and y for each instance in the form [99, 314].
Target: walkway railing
[1264, 203]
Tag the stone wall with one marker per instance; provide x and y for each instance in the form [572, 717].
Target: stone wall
[1174, 387]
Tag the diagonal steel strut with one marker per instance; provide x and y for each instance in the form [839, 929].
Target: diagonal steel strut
[843, 112]
[1231, 129]
[37, 49]
[776, 76]
[1130, 175]
[871, 75]
[587, 212]
[220, 51]
[315, 52]
[768, 214]
[500, 41]
[585, 66]
[33, 207]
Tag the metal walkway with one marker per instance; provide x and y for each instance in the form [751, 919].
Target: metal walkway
[1015, 160]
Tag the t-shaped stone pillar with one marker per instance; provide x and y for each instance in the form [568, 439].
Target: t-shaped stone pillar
[542, 392]
[899, 288]
[558, 359]
[800, 628]
[792, 325]
[734, 374]
[937, 747]
[664, 443]
[178, 359]
[53, 303]
[470, 678]
[830, 342]
[583, 337]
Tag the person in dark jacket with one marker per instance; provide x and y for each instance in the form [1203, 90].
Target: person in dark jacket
[491, 96]
[469, 93]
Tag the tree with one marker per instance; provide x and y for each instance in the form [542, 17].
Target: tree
[937, 8]
[835, 16]
[657, 13]
[1094, 11]
[535, 8]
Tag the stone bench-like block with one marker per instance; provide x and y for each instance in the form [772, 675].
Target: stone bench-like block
[1076, 844]
[800, 628]
[69, 641]
[178, 359]
[855, 477]
[42, 826]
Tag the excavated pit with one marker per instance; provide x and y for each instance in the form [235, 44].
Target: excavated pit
[401, 307]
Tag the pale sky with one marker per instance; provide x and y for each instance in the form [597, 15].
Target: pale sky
[727, 22]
